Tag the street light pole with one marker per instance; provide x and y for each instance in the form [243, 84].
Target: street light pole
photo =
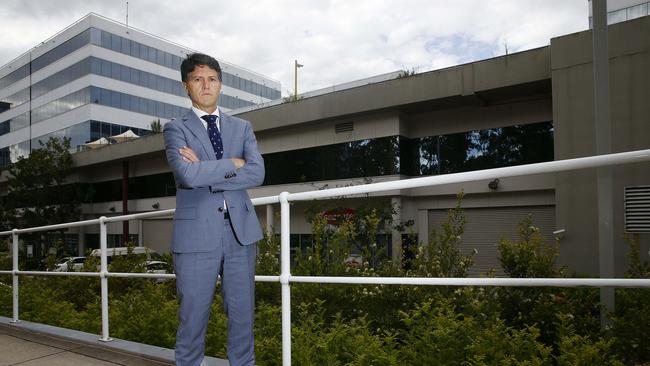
[296, 65]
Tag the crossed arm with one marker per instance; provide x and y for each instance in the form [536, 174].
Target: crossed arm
[225, 174]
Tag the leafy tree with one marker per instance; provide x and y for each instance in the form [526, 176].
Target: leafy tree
[156, 126]
[441, 256]
[38, 194]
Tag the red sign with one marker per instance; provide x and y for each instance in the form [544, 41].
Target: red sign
[335, 217]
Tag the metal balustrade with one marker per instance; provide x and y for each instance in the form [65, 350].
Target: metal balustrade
[285, 278]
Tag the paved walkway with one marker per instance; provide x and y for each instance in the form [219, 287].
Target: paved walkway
[32, 344]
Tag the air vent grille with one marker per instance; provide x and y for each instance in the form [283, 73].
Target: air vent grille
[637, 209]
[344, 127]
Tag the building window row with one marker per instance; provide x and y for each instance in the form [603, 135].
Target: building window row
[99, 67]
[441, 154]
[250, 86]
[629, 13]
[14, 100]
[479, 149]
[108, 98]
[18, 74]
[47, 58]
[123, 45]
[78, 134]
[16, 123]
[136, 104]
[61, 105]
[138, 50]
[115, 71]
[86, 132]
[230, 102]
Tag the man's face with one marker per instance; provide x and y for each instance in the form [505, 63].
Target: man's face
[203, 87]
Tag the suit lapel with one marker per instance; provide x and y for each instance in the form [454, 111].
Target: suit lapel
[195, 125]
[226, 130]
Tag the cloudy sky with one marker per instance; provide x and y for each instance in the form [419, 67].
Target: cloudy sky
[336, 40]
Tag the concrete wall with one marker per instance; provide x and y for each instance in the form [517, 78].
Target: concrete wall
[573, 108]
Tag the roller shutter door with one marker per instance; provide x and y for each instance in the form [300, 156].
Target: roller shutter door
[157, 234]
[486, 226]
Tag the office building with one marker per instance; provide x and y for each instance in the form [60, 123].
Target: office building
[99, 78]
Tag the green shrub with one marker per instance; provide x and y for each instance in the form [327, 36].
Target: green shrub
[441, 256]
[580, 350]
[147, 314]
[499, 344]
[321, 341]
[631, 319]
[436, 335]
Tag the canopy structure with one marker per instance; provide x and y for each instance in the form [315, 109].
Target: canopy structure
[125, 136]
[97, 143]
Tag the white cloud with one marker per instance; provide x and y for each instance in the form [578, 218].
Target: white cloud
[336, 40]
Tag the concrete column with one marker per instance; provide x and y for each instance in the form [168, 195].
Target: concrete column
[423, 226]
[603, 128]
[140, 234]
[81, 237]
[270, 213]
[396, 242]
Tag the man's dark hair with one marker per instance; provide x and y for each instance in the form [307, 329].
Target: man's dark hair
[194, 59]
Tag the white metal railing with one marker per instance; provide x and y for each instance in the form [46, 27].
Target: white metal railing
[285, 278]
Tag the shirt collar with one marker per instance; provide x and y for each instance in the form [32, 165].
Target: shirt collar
[199, 113]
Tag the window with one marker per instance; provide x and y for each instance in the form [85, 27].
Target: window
[616, 16]
[637, 11]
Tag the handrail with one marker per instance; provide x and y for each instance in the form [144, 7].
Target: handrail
[285, 278]
[436, 180]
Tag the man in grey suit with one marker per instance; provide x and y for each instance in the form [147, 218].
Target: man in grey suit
[214, 158]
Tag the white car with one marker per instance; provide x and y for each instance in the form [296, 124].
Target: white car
[75, 263]
[158, 267]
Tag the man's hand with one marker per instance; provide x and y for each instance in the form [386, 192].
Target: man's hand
[238, 162]
[189, 156]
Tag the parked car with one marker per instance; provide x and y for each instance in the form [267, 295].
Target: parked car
[354, 260]
[158, 267]
[69, 263]
[124, 251]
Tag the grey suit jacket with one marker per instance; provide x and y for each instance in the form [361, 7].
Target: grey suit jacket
[203, 186]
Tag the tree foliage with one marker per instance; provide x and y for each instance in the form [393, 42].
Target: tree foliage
[39, 193]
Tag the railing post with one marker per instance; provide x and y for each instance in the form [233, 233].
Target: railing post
[285, 274]
[103, 278]
[15, 275]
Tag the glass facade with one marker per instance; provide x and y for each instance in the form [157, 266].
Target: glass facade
[442, 154]
[132, 48]
[365, 158]
[116, 99]
[15, 99]
[78, 134]
[621, 15]
[126, 46]
[19, 74]
[85, 132]
[108, 98]
[16, 123]
[114, 71]
[475, 150]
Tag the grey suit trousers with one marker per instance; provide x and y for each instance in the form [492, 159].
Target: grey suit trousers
[196, 277]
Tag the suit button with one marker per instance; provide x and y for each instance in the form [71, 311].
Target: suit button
[220, 209]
